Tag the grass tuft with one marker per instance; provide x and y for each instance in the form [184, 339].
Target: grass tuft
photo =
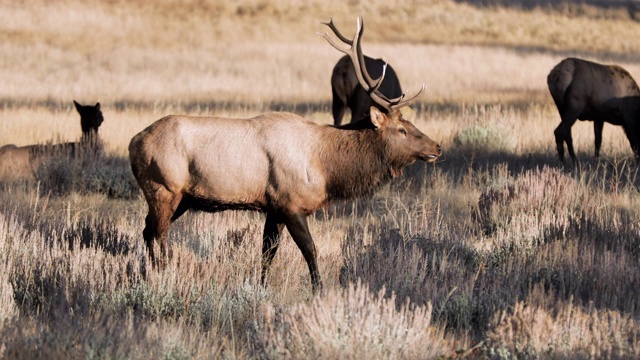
[350, 323]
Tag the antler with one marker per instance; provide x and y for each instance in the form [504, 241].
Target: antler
[355, 53]
[397, 103]
[337, 32]
[357, 58]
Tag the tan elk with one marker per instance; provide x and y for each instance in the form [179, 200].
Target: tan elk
[347, 91]
[277, 163]
[585, 90]
[23, 161]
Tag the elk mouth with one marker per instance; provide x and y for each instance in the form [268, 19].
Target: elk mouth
[429, 157]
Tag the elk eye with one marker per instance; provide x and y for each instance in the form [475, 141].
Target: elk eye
[402, 131]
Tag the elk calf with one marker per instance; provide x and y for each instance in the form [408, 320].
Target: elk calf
[585, 90]
[23, 161]
[278, 163]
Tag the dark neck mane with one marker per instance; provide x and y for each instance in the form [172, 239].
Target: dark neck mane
[355, 162]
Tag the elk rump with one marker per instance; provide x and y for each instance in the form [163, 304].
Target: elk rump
[585, 90]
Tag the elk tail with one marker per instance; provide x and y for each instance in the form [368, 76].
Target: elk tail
[559, 80]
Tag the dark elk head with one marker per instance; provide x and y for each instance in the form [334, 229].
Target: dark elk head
[406, 143]
[90, 118]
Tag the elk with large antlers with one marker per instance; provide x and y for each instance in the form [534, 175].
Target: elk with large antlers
[347, 91]
[277, 163]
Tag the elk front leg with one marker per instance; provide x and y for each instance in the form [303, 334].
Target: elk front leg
[299, 230]
[597, 129]
[270, 241]
[338, 107]
[359, 103]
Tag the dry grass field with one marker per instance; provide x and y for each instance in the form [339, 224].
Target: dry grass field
[495, 251]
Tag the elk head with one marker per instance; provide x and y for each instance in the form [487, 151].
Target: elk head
[90, 118]
[406, 143]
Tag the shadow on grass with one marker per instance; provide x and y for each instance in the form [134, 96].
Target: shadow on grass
[532, 4]
[468, 288]
[610, 173]
[103, 235]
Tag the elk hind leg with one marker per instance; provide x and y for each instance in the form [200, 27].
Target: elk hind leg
[633, 134]
[162, 207]
[560, 136]
[563, 135]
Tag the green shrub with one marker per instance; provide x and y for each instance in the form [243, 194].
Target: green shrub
[483, 139]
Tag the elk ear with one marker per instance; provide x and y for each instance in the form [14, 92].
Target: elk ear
[98, 106]
[378, 119]
[78, 106]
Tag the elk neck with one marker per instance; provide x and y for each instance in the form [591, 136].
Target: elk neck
[355, 162]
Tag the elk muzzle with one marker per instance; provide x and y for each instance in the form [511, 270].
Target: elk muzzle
[432, 153]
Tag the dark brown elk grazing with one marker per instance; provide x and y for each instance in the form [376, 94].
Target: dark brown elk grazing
[347, 91]
[584, 90]
[277, 163]
[23, 161]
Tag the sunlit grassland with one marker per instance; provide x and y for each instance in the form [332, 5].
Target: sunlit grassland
[256, 52]
[495, 251]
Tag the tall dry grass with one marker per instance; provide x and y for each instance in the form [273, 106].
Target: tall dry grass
[494, 252]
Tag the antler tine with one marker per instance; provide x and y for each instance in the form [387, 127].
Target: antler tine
[397, 105]
[394, 100]
[332, 43]
[335, 30]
